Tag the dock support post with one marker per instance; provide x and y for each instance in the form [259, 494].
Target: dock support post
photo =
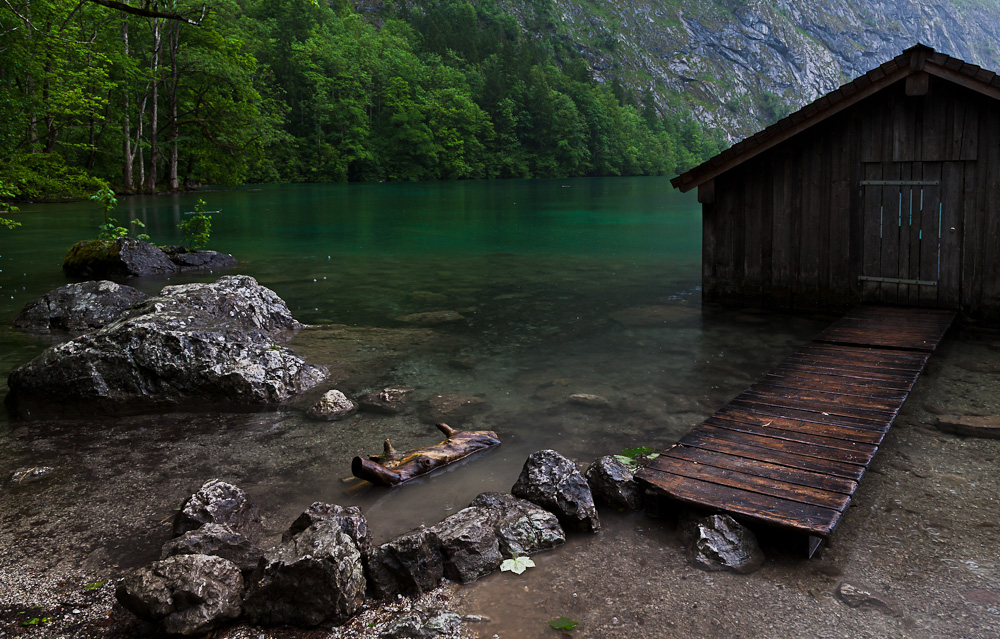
[814, 543]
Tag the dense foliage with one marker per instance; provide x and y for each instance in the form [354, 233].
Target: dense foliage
[295, 90]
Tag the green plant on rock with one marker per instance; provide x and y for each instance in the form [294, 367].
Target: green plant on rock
[198, 228]
[110, 230]
[634, 458]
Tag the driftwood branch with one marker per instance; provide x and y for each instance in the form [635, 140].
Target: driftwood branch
[392, 468]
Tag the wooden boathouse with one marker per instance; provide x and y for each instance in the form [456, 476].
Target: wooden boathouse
[886, 190]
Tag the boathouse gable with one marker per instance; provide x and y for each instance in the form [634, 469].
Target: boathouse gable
[886, 190]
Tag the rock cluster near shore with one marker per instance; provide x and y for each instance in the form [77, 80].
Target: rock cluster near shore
[325, 566]
[212, 342]
[129, 257]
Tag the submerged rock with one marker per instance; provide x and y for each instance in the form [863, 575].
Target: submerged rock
[451, 409]
[128, 257]
[431, 318]
[587, 399]
[83, 306]
[390, 400]
[719, 542]
[188, 595]
[314, 577]
[612, 484]
[210, 342]
[333, 405]
[218, 502]
[657, 316]
[554, 483]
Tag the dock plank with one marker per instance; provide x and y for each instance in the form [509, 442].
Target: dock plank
[790, 450]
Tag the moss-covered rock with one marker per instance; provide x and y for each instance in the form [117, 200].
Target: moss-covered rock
[127, 257]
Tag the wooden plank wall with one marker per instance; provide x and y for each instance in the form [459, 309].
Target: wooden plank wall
[786, 228]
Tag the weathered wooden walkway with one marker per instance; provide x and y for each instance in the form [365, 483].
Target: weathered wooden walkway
[789, 451]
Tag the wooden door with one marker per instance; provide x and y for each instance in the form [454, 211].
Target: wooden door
[904, 220]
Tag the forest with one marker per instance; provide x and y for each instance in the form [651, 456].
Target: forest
[164, 95]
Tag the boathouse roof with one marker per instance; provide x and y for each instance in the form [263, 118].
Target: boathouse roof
[919, 62]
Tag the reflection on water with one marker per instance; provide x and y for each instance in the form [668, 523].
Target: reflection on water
[581, 286]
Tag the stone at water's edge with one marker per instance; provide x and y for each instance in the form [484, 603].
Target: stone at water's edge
[410, 564]
[314, 577]
[986, 426]
[719, 542]
[84, 306]
[857, 596]
[128, 257]
[612, 484]
[522, 528]
[218, 502]
[188, 595]
[554, 483]
[208, 342]
[218, 540]
[468, 544]
[350, 520]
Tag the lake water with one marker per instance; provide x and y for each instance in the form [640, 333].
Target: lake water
[565, 287]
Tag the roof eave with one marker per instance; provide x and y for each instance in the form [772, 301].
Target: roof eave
[914, 60]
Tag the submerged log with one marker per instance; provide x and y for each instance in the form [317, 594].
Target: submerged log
[392, 468]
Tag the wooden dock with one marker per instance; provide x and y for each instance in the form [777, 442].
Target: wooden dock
[790, 450]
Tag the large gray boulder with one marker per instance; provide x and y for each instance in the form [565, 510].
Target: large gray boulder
[410, 564]
[468, 543]
[218, 540]
[188, 595]
[214, 343]
[554, 483]
[522, 528]
[314, 577]
[350, 520]
[83, 306]
[219, 502]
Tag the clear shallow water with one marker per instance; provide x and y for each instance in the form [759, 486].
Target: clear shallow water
[574, 286]
[547, 273]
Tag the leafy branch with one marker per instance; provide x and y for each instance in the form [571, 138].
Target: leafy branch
[198, 229]
[6, 193]
[110, 230]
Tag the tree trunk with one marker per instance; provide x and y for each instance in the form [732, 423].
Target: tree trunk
[50, 120]
[175, 82]
[392, 468]
[128, 156]
[154, 112]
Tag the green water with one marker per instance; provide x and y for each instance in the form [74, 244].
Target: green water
[565, 287]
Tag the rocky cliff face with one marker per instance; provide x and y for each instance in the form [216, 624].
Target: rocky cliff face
[740, 64]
